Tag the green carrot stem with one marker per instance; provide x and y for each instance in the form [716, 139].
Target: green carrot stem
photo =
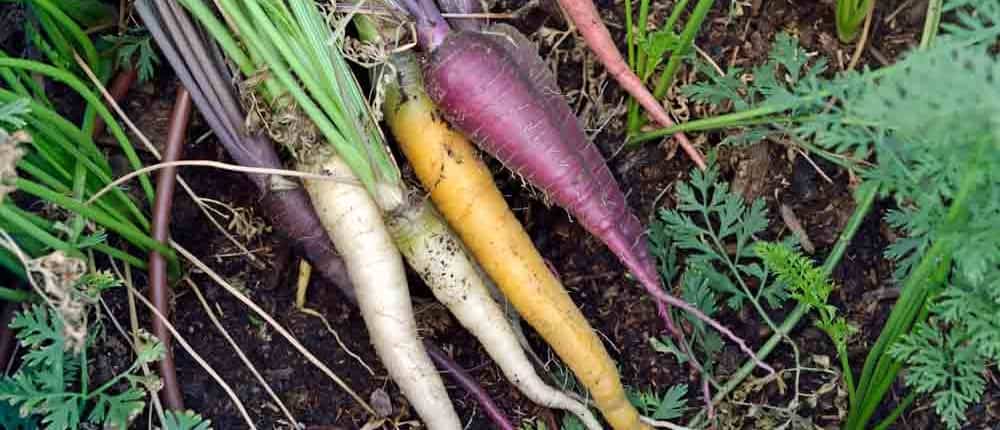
[78, 86]
[12, 295]
[129, 232]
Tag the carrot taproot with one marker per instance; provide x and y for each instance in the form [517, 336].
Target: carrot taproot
[462, 188]
[375, 266]
[437, 254]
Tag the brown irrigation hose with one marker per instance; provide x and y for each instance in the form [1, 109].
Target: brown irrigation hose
[158, 291]
[119, 88]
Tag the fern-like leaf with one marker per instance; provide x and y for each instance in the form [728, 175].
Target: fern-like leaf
[185, 420]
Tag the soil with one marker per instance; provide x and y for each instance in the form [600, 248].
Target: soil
[819, 196]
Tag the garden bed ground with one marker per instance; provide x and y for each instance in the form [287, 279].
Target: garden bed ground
[614, 305]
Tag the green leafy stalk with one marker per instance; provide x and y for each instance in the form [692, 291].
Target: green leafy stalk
[75, 32]
[50, 145]
[932, 23]
[811, 287]
[11, 295]
[78, 86]
[45, 383]
[128, 232]
[300, 51]
[849, 15]
[57, 20]
[658, 44]
[924, 282]
[134, 49]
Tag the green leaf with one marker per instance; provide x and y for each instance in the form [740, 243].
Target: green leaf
[571, 422]
[135, 49]
[12, 419]
[186, 420]
[665, 345]
[40, 331]
[89, 13]
[669, 406]
[673, 403]
[786, 52]
[658, 43]
[62, 412]
[117, 411]
[719, 89]
[13, 113]
[947, 367]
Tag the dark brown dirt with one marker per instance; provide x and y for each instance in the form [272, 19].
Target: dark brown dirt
[615, 306]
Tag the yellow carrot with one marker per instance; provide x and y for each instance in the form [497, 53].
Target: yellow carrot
[463, 190]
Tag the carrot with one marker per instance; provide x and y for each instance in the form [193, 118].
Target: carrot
[588, 22]
[456, 281]
[463, 190]
[355, 226]
[202, 71]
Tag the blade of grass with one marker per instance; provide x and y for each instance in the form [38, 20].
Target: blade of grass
[21, 223]
[691, 28]
[18, 296]
[78, 86]
[40, 127]
[129, 232]
[75, 32]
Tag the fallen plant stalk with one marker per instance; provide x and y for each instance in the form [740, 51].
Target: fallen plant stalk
[216, 165]
[239, 351]
[281, 330]
[152, 149]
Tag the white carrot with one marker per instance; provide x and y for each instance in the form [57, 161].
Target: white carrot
[354, 223]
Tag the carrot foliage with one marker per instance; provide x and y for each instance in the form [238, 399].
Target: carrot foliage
[709, 216]
[929, 124]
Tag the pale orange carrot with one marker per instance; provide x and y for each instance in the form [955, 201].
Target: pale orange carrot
[588, 22]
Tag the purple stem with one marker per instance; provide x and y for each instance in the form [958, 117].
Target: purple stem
[470, 385]
[431, 26]
[463, 7]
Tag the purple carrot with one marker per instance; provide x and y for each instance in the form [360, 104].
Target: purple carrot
[523, 52]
